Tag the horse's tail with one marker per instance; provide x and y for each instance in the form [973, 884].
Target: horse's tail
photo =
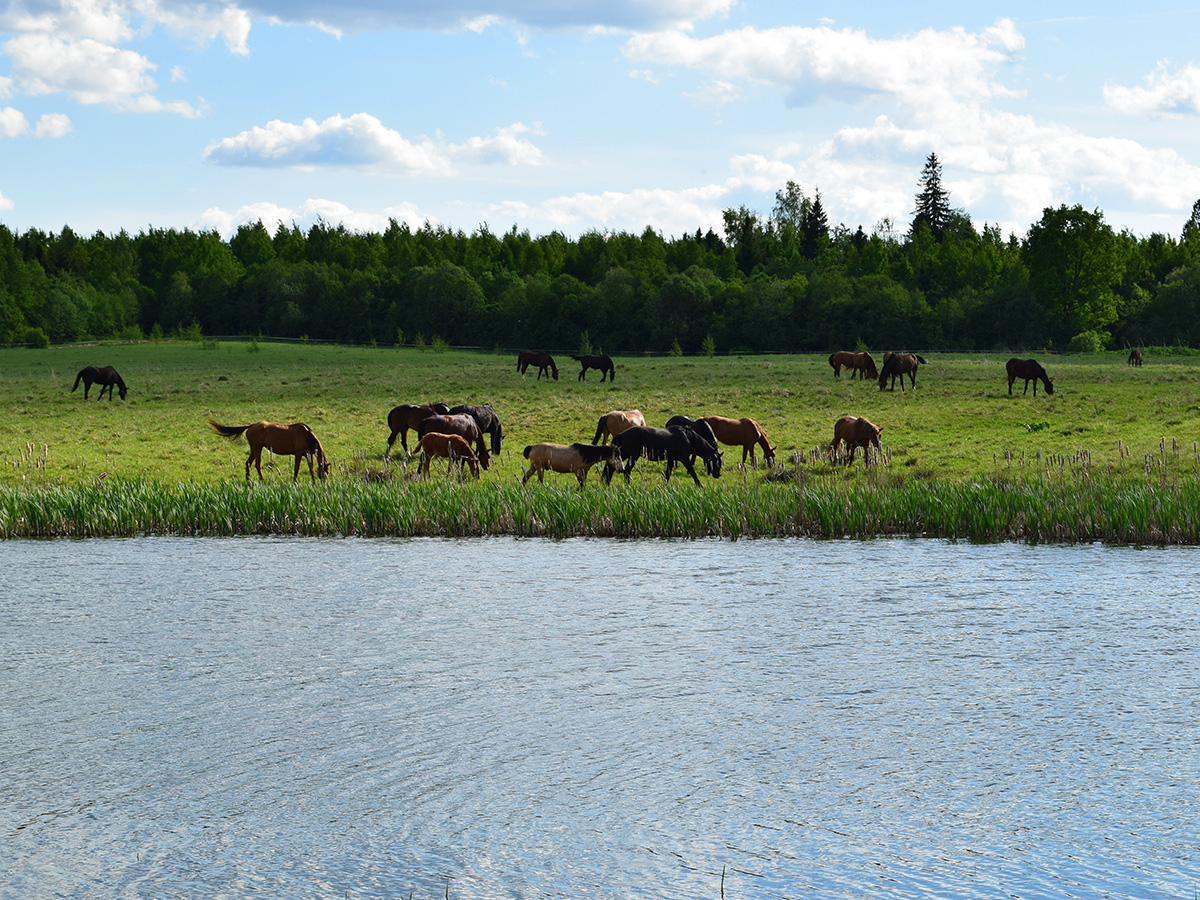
[78, 378]
[601, 427]
[922, 360]
[527, 450]
[233, 432]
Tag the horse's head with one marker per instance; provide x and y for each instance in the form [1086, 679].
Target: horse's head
[712, 462]
[1049, 387]
[485, 458]
[769, 455]
[122, 390]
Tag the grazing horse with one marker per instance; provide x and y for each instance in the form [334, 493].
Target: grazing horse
[106, 377]
[898, 364]
[613, 423]
[1135, 357]
[856, 432]
[864, 366]
[704, 432]
[744, 433]
[487, 420]
[407, 416]
[462, 425]
[295, 440]
[602, 362]
[678, 445]
[544, 362]
[1030, 370]
[841, 358]
[453, 447]
[577, 458]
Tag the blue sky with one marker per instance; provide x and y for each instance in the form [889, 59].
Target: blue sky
[598, 114]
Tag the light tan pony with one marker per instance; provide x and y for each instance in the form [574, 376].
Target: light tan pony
[613, 423]
[575, 458]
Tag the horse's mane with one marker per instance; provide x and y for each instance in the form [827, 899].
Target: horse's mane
[592, 453]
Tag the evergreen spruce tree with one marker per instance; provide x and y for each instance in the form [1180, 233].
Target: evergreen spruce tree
[933, 201]
[814, 227]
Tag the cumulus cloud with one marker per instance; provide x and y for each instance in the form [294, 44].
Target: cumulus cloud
[53, 125]
[1164, 91]
[670, 211]
[14, 124]
[307, 214]
[5, 203]
[361, 140]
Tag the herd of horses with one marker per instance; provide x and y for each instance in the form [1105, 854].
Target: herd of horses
[457, 433]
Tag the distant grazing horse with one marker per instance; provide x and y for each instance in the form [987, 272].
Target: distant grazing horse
[862, 364]
[295, 440]
[487, 420]
[898, 364]
[544, 362]
[856, 432]
[744, 433]
[613, 423]
[106, 377]
[703, 431]
[577, 458]
[1030, 370]
[1135, 357]
[841, 358]
[407, 416]
[677, 445]
[462, 425]
[603, 363]
[453, 447]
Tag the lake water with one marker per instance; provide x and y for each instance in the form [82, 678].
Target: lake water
[502, 718]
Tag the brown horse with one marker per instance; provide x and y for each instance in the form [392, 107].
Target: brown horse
[576, 458]
[864, 366]
[453, 447]
[1135, 357]
[613, 423]
[295, 440]
[602, 362]
[1030, 370]
[544, 362]
[461, 424]
[899, 364]
[856, 432]
[106, 377]
[407, 416]
[744, 433]
[841, 358]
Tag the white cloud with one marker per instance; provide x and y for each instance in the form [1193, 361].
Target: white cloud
[716, 93]
[1164, 92]
[670, 211]
[307, 214]
[53, 125]
[12, 122]
[5, 203]
[361, 140]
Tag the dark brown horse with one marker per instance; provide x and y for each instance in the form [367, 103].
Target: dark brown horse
[744, 433]
[1030, 370]
[105, 376]
[861, 364]
[544, 362]
[1135, 357]
[295, 440]
[601, 362]
[407, 416]
[453, 447]
[856, 432]
[840, 359]
[462, 425]
[575, 458]
[899, 364]
[487, 420]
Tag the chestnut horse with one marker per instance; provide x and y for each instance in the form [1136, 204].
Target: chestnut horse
[613, 423]
[841, 358]
[898, 364]
[295, 440]
[407, 416]
[544, 362]
[1135, 357]
[1030, 370]
[106, 377]
[856, 432]
[862, 364]
[453, 447]
[601, 362]
[576, 458]
[744, 433]
[462, 425]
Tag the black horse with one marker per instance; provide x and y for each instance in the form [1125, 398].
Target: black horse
[487, 420]
[1030, 370]
[679, 445]
[106, 377]
[540, 358]
[703, 431]
[603, 363]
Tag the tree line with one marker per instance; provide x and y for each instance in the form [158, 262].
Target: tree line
[784, 281]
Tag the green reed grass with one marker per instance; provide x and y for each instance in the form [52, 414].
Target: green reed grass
[1079, 506]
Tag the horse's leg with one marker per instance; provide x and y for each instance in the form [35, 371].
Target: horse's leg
[691, 470]
[1010, 384]
[296, 468]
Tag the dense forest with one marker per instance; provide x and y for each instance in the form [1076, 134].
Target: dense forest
[784, 282]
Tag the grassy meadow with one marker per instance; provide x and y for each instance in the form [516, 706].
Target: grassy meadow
[1111, 455]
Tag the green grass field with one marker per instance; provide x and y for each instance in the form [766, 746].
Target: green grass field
[959, 429]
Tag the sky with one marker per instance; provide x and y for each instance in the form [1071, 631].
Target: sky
[590, 115]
